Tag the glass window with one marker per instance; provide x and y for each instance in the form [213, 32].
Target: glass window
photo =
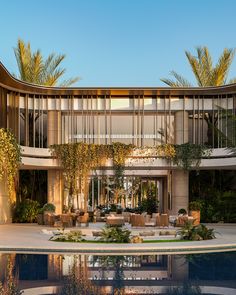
[120, 104]
[122, 128]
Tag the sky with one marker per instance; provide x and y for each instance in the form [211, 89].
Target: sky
[119, 42]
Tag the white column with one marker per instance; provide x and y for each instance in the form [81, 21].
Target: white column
[54, 127]
[5, 206]
[180, 178]
[180, 190]
[179, 267]
[55, 189]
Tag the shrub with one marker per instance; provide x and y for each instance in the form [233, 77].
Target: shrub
[150, 204]
[131, 210]
[40, 211]
[71, 236]
[187, 232]
[196, 233]
[49, 207]
[26, 211]
[119, 211]
[205, 233]
[115, 234]
[113, 207]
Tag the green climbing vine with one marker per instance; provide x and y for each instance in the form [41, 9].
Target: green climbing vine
[79, 159]
[188, 155]
[120, 153]
[184, 155]
[9, 158]
[168, 151]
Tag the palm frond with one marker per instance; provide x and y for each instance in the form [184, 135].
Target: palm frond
[23, 59]
[69, 82]
[33, 68]
[207, 60]
[194, 63]
[232, 81]
[51, 79]
[206, 67]
[179, 81]
[221, 69]
[54, 62]
[169, 82]
[37, 68]
[204, 71]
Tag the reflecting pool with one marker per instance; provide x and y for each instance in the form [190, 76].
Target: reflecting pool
[210, 273]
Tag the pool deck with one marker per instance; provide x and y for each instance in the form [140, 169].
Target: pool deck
[33, 238]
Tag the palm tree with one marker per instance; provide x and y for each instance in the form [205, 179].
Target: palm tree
[202, 67]
[206, 75]
[34, 69]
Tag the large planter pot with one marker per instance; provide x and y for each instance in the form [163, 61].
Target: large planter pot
[40, 219]
[45, 217]
[196, 215]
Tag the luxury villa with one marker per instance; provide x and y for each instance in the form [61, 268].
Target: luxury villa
[41, 116]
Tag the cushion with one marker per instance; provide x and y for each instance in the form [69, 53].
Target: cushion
[147, 233]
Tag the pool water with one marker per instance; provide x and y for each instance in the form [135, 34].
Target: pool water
[210, 273]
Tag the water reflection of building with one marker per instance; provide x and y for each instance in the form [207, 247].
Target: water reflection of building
[102, 269]
[134, 273]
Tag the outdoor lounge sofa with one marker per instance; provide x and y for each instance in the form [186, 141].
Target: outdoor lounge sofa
[83, 219]
[113, 220]
[181, 220]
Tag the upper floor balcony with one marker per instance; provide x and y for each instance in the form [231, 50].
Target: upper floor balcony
[39, 158]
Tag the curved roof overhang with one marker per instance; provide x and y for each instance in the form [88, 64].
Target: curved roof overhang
[220, 158]
[11, 83]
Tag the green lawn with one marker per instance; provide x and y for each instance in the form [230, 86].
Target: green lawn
[144, 242]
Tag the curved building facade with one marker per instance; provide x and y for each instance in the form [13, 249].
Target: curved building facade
[41, 116]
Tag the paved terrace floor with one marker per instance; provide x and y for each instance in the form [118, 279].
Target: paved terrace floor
[33, 238]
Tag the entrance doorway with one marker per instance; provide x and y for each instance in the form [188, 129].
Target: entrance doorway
[33, 185]
[135, 189]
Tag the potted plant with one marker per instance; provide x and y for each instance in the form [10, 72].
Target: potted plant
[40, 217]
[194, 208]
[48, 208]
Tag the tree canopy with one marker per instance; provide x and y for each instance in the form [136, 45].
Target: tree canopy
[206, 74]
[35, 69]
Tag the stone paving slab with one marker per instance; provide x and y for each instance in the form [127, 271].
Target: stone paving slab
[30, 238]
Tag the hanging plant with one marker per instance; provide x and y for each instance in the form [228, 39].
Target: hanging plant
[189, 154]
[9, 158]
[79, 159]
[167, 151]
[120, 152]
